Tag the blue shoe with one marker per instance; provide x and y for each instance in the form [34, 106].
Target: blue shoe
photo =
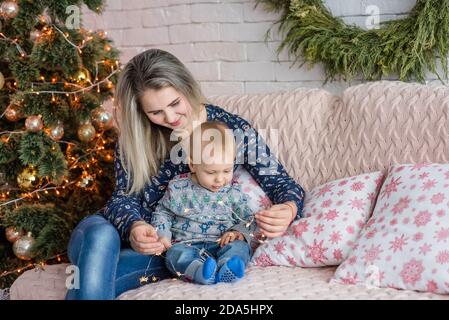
[205, 274]
[232, 270]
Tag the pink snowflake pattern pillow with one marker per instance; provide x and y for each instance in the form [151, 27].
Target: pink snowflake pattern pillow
[257, 199]
[334, 214]
[405, 244]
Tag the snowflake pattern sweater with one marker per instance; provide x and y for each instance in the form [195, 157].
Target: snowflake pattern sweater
[123, 209]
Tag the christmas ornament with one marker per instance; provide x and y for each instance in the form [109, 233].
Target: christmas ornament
[55, 132]
[14, 112]
[9, 9]
[12, 234]
[34, 35]
[86, 132]
[34, 123]
[2, 78]
[23, 247]
[28, 178]
[82, 76]
[101, 118]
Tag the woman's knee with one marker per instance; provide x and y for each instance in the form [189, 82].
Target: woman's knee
[93, 232]
[102, 233]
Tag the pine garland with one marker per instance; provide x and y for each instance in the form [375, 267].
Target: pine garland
[407, 47]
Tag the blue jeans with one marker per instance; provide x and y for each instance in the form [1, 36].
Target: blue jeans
[180, 256]
[105, 269]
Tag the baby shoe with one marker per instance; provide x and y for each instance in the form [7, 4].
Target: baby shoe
[232, 270]
[205, 273]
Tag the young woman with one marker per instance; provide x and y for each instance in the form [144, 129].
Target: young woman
[157, 96]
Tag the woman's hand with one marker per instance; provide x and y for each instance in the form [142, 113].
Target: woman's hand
[275, 221]
[144, 239]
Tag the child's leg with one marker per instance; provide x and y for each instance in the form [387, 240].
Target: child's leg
[191, 263]
[232, 259]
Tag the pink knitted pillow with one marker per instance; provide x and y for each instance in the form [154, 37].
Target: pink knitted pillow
[334, 214]
[406, 242]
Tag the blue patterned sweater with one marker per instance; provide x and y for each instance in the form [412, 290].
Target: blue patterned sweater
[188, 211]
[123, 209]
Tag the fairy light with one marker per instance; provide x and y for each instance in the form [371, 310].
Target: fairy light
[14, 42]
[37, 265]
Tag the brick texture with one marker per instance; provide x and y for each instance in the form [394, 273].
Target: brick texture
[222, 41]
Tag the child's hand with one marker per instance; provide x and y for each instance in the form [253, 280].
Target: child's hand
[230, 236]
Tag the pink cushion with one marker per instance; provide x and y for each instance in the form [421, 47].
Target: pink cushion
[406, 242]
[334, 214]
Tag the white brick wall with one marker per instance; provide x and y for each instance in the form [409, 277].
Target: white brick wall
[222, 41]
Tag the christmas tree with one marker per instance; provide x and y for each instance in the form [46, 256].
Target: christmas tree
[56, 138]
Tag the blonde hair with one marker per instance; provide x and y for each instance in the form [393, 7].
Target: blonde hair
[223, 142]
[144, 145]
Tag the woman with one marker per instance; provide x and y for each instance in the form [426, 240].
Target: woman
[158, 96]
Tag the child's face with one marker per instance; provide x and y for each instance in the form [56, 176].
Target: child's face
[213, 176]
[166, 107]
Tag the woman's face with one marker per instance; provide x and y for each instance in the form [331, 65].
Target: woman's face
[166, 107]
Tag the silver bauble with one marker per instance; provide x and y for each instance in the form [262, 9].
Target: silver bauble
[12, 234]
[22, 247]
[34, 123]
[9, 9]
[101, 118]
[55, 132]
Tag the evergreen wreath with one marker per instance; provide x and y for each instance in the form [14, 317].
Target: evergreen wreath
[406, 47]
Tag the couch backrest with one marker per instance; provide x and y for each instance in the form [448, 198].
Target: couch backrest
[323, 137]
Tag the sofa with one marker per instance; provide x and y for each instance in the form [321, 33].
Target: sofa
[322, 137]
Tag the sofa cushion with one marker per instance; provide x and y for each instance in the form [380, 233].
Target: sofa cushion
[405, 243]
[323, 137]
[334, 214]
[299, 117]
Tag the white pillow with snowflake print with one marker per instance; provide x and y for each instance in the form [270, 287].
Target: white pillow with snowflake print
[334, 214]
[257, 199]
[405, 244]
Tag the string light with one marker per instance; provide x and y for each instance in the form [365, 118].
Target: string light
[18, 47]
[37, 265]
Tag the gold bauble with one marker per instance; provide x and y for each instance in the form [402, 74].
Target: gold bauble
[23, 247]
[101, 118]
[82, 76]
[14, 113]
[9, 9]
[55, 132]
[86, 132]
[28, 178]
[2, 80]
[34, 123]
[12, 234]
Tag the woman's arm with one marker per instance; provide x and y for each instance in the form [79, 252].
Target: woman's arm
[122, 210]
